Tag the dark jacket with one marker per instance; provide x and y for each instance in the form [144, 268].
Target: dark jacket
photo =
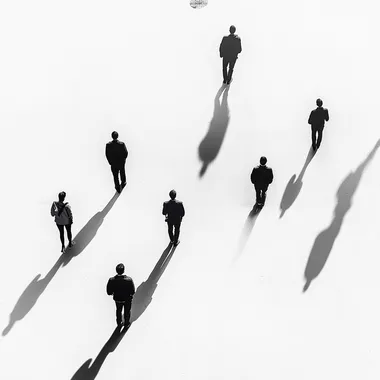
[116, 152]
[318, 117]
[230, 46]
[262, 176]
[174, 210]
[121, 287]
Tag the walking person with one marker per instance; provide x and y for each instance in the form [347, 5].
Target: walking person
[117, 153]
[174, 212]
[122, 288]
[229, 49]
[261, 177]
[63, 217]
[317, 120]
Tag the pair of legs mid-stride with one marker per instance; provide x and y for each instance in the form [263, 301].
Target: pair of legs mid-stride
[173, 230]
[120, 305]
[260, 195]
[116, 169]
[316, 142]
[230, 64]
[62, 235]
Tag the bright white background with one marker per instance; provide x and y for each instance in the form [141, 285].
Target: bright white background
[73, 72]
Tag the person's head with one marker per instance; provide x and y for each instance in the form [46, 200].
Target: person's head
[319, 102]
[61, 196]
[232, 29]
[115, 135]
[120, 268]
[263, 160]
[172, 194]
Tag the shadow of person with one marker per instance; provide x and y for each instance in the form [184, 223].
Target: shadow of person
[30, 296]
[247, 229]
[89, 371]
[293, 189]
[144, 292]
[34, 290]
[210, 145]
[324, 242]
[140, 302]
[88, 232]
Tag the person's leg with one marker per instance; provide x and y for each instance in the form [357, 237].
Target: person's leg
[170, 231]
[177, 227]
[115, 173]
[122, 175]
[313, 137]
[320, 133]
[61, 236]
[69, 235]
[119, 309]
[231, 69]
[257, 194]
[127, 313]
[225, 63]
[263, 195]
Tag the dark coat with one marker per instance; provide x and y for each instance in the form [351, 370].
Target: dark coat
[262, 176]
[116, 152]
[174, 210]
[121, 287]
[318, 117]
[230, 47]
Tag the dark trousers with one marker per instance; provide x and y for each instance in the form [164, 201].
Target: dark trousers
[62, 233]
[116, 169]
[173, 230]
[230, 63]
[261, 194]
[316, 142]
[119, 310]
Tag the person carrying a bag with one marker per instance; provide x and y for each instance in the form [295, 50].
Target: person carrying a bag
[63, 217]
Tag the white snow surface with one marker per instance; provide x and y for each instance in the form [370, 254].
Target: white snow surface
[230, 303]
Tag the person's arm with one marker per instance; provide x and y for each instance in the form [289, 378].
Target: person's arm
[69, 213]
[239, 46]
[109, 287]
[164, 212]
[133, 290]
[253, 176]
[125, 151]
[270, 177]
[182, 211]
[221, 48]
[108, 153]
[310, 118]
[327, 117]
[53, 209]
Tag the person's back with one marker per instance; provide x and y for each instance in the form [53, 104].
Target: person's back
[116, 152]
[262, 176]
[122, 287]
[319, 115]
[230, 46]
[62, 213]
[174, 209]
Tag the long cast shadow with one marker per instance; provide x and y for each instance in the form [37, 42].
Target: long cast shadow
[293, 188]
[247, 229]
[34, 290]
[140, 302]
[210, 145]
[88, 232]
[324, 242]
[89, 371]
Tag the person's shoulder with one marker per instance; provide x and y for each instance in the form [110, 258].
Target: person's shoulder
[237, 37]
[109, 143]
[127, 278]
[178, 202]
[120, 142]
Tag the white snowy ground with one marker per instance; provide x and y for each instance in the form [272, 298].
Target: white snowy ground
[73, 72]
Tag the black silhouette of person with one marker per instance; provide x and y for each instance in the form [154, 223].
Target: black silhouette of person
[117, 153]
[293, 188]
[325, 240]
[317, 120]
[229, 49]
[122, 288]
[212, 142]
[261, 177]
[174, 212]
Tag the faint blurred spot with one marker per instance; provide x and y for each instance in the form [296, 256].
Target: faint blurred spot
[197, 4]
